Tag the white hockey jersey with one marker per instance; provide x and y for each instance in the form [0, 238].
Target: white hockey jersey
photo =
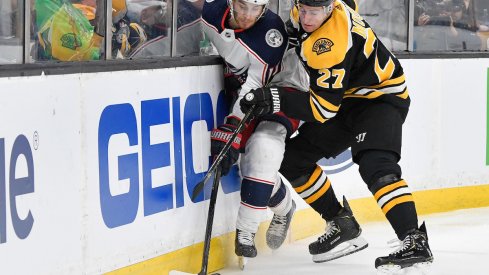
[254, 55]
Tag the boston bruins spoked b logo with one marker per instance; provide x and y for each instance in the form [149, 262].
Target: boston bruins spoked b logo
[322, 45]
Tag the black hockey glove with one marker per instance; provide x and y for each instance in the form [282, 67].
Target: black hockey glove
[219, 137]
[266, 99]
[293, 34]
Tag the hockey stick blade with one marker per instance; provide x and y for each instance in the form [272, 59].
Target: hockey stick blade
[208, 228]
[200, 186]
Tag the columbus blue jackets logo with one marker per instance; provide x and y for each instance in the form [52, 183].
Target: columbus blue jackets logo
[274, 38]
[322, 45]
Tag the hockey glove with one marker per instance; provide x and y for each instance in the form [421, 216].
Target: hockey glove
[219, 137]
[293, 34]
[266, 99]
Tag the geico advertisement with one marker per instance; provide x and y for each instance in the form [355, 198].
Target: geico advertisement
[147, 146]
[125, 148]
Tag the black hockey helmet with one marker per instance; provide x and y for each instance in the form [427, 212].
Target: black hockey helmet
[316, 3]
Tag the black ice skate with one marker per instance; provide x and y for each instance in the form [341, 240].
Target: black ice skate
[244, 246]
[414, 251]
[277, 231]
[342, 237]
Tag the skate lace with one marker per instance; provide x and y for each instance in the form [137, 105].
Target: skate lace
[331, 229]
[401, 246]
[277, 226]
[245, 238]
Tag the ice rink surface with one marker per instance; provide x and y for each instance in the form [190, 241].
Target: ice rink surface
[459, 241]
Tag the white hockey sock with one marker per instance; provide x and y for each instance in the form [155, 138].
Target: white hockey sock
[249, 218]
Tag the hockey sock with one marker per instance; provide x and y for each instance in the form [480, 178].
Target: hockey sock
[396, 201]
[319, 194]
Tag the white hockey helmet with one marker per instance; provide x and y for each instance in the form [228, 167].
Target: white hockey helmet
[255, 2]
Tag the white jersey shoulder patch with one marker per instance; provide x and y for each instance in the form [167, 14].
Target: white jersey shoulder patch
[274, 38]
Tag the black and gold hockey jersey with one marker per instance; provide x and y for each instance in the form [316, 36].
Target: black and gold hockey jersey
[345, 60]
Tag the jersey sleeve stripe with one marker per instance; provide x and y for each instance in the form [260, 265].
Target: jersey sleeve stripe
[251, 51]
[388, 83]
[325, 113]
[404, 95]
[319, 113]
[323, 103]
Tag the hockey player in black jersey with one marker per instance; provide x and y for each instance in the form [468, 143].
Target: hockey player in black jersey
[252, 41]
[357, 98]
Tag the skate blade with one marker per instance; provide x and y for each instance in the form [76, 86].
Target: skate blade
[343, 249]
[422, 268]
[242, 261]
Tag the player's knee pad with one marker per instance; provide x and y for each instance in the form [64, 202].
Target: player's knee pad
[375, 164]
[264, 152]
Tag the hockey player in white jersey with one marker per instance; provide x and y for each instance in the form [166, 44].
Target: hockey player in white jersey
[252, 41]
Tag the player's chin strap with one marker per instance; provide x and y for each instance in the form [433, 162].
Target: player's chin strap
[200, 186]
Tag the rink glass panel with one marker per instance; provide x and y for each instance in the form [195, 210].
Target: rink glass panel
[454, 25]
[65, 30]
[389, 20]
[150, 24]
[11, 30]
[162, 29]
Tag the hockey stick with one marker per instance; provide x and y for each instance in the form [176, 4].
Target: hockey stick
[198, 188]
[208, 228]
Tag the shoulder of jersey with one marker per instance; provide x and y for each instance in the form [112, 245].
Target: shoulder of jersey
[268, 38]
[352, 4]
[328, 45]
[213, 11]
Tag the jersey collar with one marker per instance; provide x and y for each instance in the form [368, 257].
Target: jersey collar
[223, 21]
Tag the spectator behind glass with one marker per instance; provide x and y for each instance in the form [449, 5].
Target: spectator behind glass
[463, 27]
[151, 15]
[128, 35]
[155, 17]
[445, 25]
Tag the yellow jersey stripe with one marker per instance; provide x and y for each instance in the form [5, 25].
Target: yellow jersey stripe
[312, 179]
[317, 114]
[324, 103]
[396, 201]
[319, 193]
[398, 81]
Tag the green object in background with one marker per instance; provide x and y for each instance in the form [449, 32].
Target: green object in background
[63, 32]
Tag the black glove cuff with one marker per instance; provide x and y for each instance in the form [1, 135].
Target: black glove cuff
[276, 99]
[232, 120]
